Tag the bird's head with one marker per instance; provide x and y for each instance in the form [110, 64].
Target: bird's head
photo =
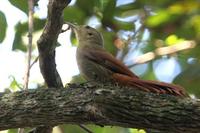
[87, 35]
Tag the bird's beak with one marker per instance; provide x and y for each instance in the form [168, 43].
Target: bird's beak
[72, 26]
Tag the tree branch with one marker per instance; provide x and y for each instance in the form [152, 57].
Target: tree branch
[48, 41]
[46, 47]
[99, 104]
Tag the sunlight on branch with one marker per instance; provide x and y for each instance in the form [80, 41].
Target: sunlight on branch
[165, 51]
[175, 48]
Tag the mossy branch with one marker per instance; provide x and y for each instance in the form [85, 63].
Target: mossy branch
[102, 105]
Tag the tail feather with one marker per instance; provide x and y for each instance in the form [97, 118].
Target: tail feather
[150, 86]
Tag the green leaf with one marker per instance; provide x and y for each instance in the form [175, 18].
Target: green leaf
[22, 29]
[86, 6]
[109, 41]
[20, 4]
[77, 79]
[173, 39]
[12, 131]
[127, 10]
[73, 39]
[137, 130]
[108, 129]
[158, 19]
[149, 74]
[3, 26]
[120, 25]
[109, 11]
[14, 85]
[69, 12]
[38, 24]
[71, 128]
[195, 23]
[16, 130]
[189, 79]
[18, 43]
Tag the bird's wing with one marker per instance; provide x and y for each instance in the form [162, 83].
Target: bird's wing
[107, 60]
[151, 86]
[124, 76]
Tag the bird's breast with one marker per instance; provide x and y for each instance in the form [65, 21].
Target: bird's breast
[91, 70]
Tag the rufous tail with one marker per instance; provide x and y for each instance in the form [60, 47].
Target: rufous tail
[150, 86]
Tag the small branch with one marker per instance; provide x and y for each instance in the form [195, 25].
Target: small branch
[46, 47]
[100, 104]
[85, 128]
[36, 59]
[30, 38]
[185, 45]
[47, 42]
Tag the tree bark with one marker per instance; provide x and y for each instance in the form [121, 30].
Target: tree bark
[99, 104]
[46, 47]
[48, 42]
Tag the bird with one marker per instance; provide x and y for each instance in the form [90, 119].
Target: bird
[96, 64]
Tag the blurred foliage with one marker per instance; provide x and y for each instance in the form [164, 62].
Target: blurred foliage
[22, 29]
[190, 76]
[173, 39]
[96, 129]
[77, 79]
[16, 130]
[20, 4]
[136, 131]
[138, 26]
[12, 131]
[3, 26]
[14, 84]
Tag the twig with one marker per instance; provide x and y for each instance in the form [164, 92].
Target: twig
[36, 59]
[30, 39]
[129, 40]
[168, 50]
[85, 128]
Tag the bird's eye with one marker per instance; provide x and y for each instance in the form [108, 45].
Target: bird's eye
[87, 27]
[90, 34]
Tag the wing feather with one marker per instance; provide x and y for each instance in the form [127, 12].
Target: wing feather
[108, 61]
[124, 76]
